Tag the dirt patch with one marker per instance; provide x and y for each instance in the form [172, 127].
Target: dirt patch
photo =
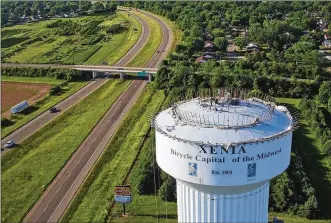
[13, 93]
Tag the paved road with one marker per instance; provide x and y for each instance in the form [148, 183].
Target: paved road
[35, 124]
[61, 191]
[138, 46]
[165, 45]
[58, 195]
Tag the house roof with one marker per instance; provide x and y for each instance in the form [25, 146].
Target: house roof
[252, 45]
[209, 44]
[200, 60]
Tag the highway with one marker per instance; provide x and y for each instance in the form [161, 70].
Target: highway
[34, 125]
[145, 32]
[53, 203]
[165, 45]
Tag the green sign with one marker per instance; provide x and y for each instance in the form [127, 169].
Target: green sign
[142, 73]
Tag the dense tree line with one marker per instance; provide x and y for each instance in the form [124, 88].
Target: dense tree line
[12, 11]
[319, 118]
[291, 55]
[65, 74]
[69, 27]
[292, 191]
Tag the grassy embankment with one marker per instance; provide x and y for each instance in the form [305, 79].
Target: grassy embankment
[28, 169]
[120, 44]
[152, 43]
[150, 208]
[42, 105]
[35, 43]
[96, 195]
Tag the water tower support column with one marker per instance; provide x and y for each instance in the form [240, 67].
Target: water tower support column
[200, 203]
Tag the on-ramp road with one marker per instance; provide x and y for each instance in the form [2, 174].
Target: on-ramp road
[61, 191]
[31, 127]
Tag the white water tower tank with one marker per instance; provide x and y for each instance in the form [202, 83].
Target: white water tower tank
[223, 151]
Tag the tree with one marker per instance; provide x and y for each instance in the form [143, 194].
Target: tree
[14, 18]
[221, 43]
[241, 42]
[110, 7]
[73, 6]
[325, 92]
[217, 32]
[85, 5]
[98, 7]
[327, 147]
[4, 18]
[27, 12]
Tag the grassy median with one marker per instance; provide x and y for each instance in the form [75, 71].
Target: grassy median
[120, 44]
[153, 42]
[30, 168]
[96, 194]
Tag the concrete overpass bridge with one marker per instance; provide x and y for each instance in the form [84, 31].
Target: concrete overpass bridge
[95, 69]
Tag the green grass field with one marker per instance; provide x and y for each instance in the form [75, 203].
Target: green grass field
[120, 44]
[42, 105]
[151, 45]
[35, 43]
[96, 195]
[29, 168]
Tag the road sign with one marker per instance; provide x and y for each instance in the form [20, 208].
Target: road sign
[122, 194]
[142, 73]
[122, 199]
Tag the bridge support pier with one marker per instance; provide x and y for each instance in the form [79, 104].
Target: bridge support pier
[122, 75]
[150, 77]
[94, 74]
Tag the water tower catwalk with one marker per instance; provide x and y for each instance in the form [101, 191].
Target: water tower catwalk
[223, 151]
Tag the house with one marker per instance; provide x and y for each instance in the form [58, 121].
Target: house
[209, 46]
[211, 55]
[24, 18]
[207, 56]
[327, 43]
[252, 48]
[200, 60]
[327, 37]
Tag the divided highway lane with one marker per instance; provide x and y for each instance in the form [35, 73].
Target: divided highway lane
[61, 191]
[59, 194]
[31, 127]
[145, 32]
[164, 46]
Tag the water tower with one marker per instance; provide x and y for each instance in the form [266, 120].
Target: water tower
[223, 151]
